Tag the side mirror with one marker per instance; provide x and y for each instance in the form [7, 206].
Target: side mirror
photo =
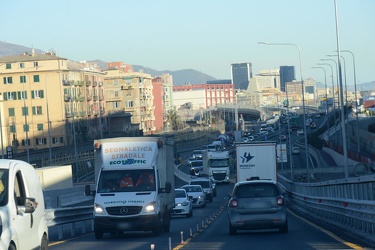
[168, 187]
[88, 191]
[29, 207]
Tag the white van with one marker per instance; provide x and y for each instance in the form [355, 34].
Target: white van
[22, 214]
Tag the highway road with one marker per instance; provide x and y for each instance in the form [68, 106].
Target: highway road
[208, 229]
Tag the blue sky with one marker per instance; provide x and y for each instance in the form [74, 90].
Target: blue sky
[205, 35]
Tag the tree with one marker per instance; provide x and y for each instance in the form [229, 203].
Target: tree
[173, 119]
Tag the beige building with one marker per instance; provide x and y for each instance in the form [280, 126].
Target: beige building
[43, 95]
[130, 94]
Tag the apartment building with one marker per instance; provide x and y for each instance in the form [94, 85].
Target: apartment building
[48, 101]
[131, 93]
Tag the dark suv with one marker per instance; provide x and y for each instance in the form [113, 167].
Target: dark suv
[257, 204]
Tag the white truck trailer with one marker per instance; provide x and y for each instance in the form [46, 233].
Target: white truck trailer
[216, 165]
[256, 160]
[134, 185]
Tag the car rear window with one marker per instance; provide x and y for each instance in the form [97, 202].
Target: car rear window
[203, 184]
[256, 190]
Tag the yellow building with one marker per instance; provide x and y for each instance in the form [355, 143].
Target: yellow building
[43, 95]
[131, 93]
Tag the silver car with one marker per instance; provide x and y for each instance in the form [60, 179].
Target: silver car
[196, 194]
[257, 204]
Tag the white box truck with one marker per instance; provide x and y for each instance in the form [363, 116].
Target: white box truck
[134, 185]
[216, 165]
[256, 160]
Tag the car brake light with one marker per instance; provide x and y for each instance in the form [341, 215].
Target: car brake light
[280, 201]
[233, 203]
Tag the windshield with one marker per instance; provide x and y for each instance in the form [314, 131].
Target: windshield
[219, 163]
[126, 181]
[3, 187]
[203, 184]
[196, 163]
[180, 194]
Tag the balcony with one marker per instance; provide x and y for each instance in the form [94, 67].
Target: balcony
[96, 97]
[126, 87]
[116, 98]
[82, 113]
[89, 98]
[95, 84]
[67, 98]
[66, 83]
[88, 83]
[81, 98]
[69, 114]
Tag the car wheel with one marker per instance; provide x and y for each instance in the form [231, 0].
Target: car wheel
[12, 247]
[232, 230]
[166, 223]
[44, 243]
[190, 214]
[204, 204]
[157, 229]
[98, 234]
[284, 228]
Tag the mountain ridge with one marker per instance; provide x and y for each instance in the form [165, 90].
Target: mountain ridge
[180, 77]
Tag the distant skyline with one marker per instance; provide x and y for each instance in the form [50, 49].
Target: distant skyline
[207, 36]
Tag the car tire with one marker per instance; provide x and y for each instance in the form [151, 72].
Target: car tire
[284, 228]
[156, 231]
[98, 234]
[203, 205]
[44, 243]
[190, 214]
[232, 230]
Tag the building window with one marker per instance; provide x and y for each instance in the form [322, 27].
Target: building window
[11, 111]
[24, 142]
[10, 96]
[116, 93]
[22, 95]
[37, 94]
[36, 78]
[37, 110]
[40, 141]
[8, 80]
[129, 104]
[12, 128]
[40, 126]
[25, 111]
[36, 64]
[26, 127]
[22, 65]
[115, 82]
[116, 105]
[22, 79]
[8, 66]
[57, 140]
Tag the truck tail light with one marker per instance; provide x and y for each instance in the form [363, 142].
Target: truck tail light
[233, 203]
[280, 201]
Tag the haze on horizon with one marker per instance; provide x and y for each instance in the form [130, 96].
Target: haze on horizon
[207, 36]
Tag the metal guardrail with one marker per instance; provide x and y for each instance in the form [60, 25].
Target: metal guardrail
[71, 215]
[346, 202]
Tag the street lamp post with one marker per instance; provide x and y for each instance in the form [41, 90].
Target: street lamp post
[303, 98]
[325, 85]
[355, 96]
[333, 97]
